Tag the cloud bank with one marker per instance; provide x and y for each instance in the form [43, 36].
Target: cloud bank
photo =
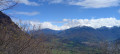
[69, 23]
[88, 3]
[95, 23]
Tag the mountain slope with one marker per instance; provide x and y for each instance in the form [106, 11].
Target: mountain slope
[81, 34]
[12, 38]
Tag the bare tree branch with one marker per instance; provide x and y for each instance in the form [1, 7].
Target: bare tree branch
[7, 4]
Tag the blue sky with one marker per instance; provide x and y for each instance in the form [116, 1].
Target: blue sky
[60, 14]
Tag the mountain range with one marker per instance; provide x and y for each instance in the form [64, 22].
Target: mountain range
[84, 34]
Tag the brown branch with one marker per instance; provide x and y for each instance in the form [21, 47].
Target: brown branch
[2, 4]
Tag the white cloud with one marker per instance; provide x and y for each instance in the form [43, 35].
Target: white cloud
[35, 24]
[96, 3]
[119, 11]
[27, 2]
[56, 1]
[44, 25]
[52, 1]
[95, 23]
[69, 23]
[26, 13]
[88, 3]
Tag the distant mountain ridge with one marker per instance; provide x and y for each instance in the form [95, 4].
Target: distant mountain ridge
[83, 34]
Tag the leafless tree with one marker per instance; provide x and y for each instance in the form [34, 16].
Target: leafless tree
[14, 40]
[7, 4]
[110, 48]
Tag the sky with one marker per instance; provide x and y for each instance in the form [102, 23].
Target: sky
[65, 14]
